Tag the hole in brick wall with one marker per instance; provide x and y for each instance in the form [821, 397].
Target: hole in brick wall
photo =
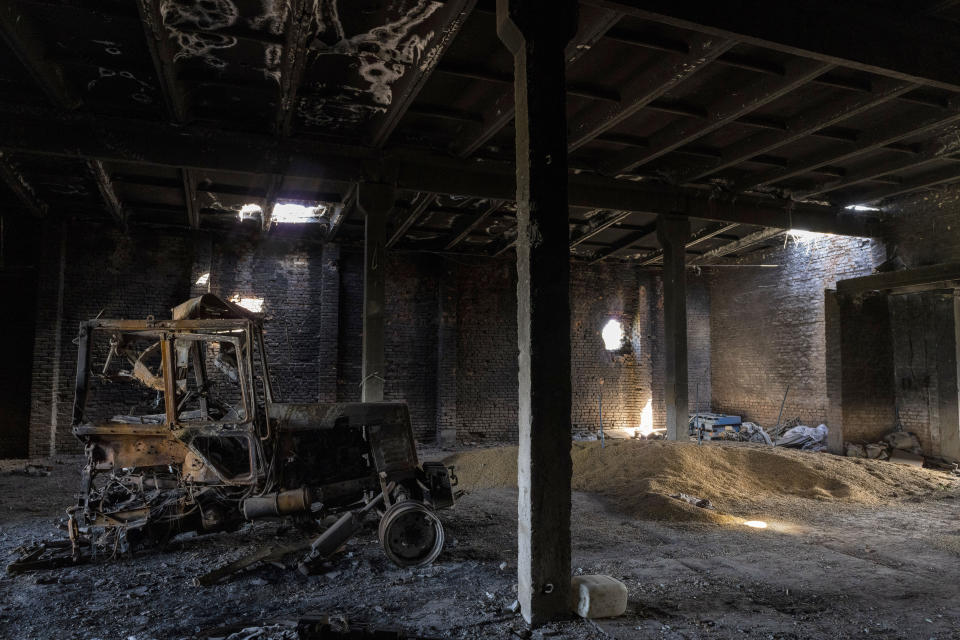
[612, 335]
[202, 280]
[250, 212]
[247, 302]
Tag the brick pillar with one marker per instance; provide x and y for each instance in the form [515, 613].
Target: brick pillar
[327, 372]
[375, 201]
[834, 371]
[447, 358]
[673, 233]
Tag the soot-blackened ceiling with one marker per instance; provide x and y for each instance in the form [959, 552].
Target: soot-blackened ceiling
[183, 111]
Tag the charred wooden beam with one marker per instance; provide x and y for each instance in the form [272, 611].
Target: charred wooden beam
[21, 188]
[111, 201]
[870, 141]
[501, 113]
[707, 233]
[623, 245]
[646, 87]
[878, 40]
[21, 36]
[426, 199]
[452, 16]
[595, 226]
[738, 245]
[804, 124]
[465, 230]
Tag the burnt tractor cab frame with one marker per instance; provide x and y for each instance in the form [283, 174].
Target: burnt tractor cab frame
[223, 450]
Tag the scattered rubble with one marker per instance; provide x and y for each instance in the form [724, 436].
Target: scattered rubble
[806, 438]
[32, 470]
[903, 448]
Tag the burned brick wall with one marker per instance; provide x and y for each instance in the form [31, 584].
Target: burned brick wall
[451, 341]
[88, 270]
[926, 232]
[632, 380]
[927, 229]
[281, 275]
[867, 356]
[925, 365]
[767, 326]
[18, 288]
[487, 352]
[410, 335]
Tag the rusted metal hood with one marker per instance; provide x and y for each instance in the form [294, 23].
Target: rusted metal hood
[209, 306]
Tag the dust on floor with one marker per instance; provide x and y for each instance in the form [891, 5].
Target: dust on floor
[825, 568]
[638, 478]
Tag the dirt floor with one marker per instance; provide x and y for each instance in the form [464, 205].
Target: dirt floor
[844, 558]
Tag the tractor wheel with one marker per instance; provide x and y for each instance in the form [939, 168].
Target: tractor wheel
[411, 535]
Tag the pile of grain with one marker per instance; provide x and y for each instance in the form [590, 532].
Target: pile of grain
[637, 478]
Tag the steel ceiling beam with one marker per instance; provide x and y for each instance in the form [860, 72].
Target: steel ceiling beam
[870, 141]
[876, 170]
[738, 245]
[726, 110]
[293, 63]
[414, 213]
[804, 124]
[876, 40]
[946, 175]
[707, 233]
[107, 192]
[624, 245]
[191, 196]
[500, 114]
[21, 36]
[465, 230]
[454, 13]
[595, 227]
[40, 132]
[645, 87]
[23, 190]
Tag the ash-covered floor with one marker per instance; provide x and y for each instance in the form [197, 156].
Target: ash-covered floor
[831, 569]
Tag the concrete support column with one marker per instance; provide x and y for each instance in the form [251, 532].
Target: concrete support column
[536, 33]
[673, 233]
[375, 201]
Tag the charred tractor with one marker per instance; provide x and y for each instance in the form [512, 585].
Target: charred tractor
[182, 432]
